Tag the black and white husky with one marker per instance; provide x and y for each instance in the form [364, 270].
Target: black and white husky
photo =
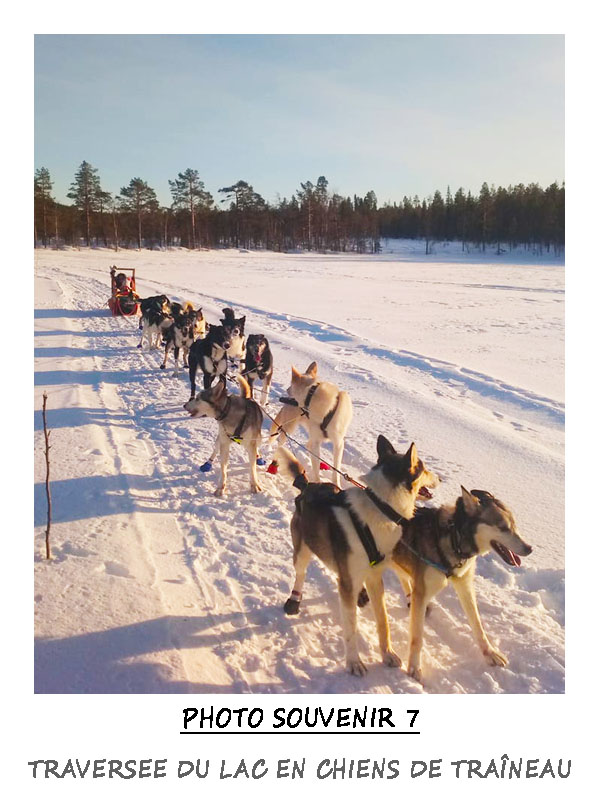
[156, 318]
[180, 336]
[258, 364]
[223, 341]
[349, 533]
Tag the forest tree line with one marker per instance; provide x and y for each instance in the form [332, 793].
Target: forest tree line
[313, 218]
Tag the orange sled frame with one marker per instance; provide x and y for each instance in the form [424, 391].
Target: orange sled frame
[121, 300]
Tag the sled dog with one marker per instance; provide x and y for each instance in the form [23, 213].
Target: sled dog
[211, 353]
[156, 318]
[320, 407]
[240, 421]
[180, 336]
[451, 538]
[349, 533]
[258, 364]
[200, 324]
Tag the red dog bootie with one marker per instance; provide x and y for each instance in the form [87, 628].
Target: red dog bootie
[272, 468]
[324, 466]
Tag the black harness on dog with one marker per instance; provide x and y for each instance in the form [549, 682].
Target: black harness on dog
[304, 407]
[460, 529]
[364, 534]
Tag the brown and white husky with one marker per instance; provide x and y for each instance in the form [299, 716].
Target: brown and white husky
[331, 525]
[441, 545]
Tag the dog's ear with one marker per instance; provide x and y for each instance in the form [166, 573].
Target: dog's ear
[384, 448]
[241, 322]
[311, 370]
[295, 374]
[413, 458]
[229, 315]
[471, 503]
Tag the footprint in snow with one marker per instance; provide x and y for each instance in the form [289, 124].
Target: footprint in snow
[116, 570]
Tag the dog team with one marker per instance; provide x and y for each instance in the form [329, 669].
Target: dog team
[357, 532]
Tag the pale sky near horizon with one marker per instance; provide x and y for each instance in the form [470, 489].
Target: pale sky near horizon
[399, 114]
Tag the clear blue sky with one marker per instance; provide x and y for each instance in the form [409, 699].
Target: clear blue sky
[401, 115]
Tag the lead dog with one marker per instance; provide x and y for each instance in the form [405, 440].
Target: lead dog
[348, 532]
[211, 353]
[240, 421]
[320, 407]
[451, 538]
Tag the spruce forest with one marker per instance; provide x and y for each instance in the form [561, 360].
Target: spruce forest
[312, 219]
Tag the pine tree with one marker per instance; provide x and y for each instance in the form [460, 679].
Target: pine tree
[140, 199]
[85, 192]
[244, 203]
[188, 193]
[43, 200]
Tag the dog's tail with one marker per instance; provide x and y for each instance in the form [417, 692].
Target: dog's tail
[228, 315]
[244, 387]
[292, 467]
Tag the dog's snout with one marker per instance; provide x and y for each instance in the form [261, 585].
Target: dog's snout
[226, 346]
[528, 549]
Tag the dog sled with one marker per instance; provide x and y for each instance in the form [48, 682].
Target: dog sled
[124, 300]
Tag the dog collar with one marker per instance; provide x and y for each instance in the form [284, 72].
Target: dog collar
[224, 411]
[385, 508]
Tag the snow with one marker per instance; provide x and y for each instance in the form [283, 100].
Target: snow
[157, 586]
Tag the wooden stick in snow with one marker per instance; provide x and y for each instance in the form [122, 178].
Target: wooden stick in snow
[48, 495]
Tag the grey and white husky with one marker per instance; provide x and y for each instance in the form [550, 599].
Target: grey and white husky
[349, 533]
[240, 421]
[321, 408]
[441, 545]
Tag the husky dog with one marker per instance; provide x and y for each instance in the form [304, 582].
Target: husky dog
[200, 324]
[240, 421]
[442, 544]
[322, 409]
[154, 326]
[211, 353]
[179, 336]
[156, 318]
[258, 364]
[349, 533]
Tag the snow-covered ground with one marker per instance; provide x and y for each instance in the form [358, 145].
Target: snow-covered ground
[157, 586]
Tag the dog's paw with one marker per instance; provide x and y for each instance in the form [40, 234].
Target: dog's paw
[415, 672]
[390, 659]
[291, 606]
[494, 657]
[363, 598]
[163, 366]
[356, 667]
[260, 461]
[139, 347]
[220, 491]
[206, 467]
[255, 489]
